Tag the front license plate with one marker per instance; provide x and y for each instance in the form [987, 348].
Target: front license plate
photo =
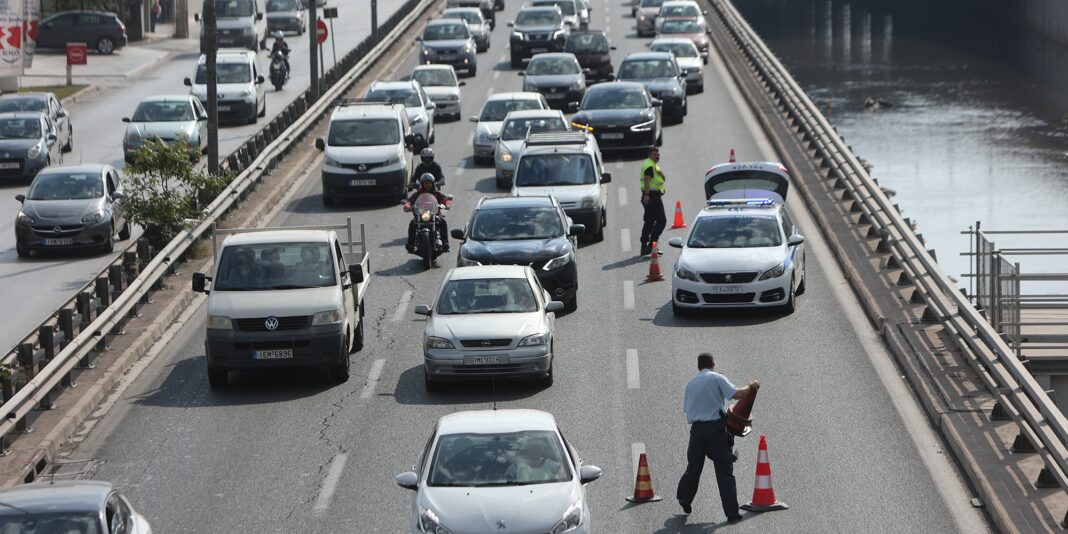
[482, 360]
[59, 242]
[357, 183]
[611, 136]
[538, 50]
[9, 165]
[279, 354]
[224, 108]
[727, 289]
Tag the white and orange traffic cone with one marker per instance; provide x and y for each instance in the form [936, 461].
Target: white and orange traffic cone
[679, 221]
[654, 267]
[643, 483]
[763, 493]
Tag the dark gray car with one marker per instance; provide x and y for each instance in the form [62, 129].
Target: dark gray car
[29, 142]
[558, 76]
[660, 73]
[100, 30]
[73, 207]
[45, 103]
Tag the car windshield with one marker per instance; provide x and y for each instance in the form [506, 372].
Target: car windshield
[514, 224]
[652, 3]
[679, 49]
[641, 69]
[408, 96]
[472, 17]
[445, 32]
[742, 231]
[553, 66]
[9, 105]
[233, 8]
[364, 132]
[615, 98]
[500, 459]
[497, 110]
[435, 77]
[567, 8]
[543, 170]
[538, 17]
[66, 186]
[679, 11]
[282, 5]
[680, 26]
[487, 295]
[20, 128]
[227, 73]
[516, 129]
[55, 523]
[586, 43]
[270, 266]
[163, 112]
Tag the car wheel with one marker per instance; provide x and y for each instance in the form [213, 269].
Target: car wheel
[598, 234]
[340, 373]
[70, 140]
[328, 200]
[433, 136]
[125, 232]
[263, 112]
[501, 183]
[109, 243]
[547, 380]
[699, 88]
[685, 106]
[217, 377]
[357, 338]
[105, 45]
[660, 138]
[22, 251]
[789, 307]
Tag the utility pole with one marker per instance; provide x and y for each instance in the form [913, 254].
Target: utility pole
[209, 46]
[313, 49]
[374, 21]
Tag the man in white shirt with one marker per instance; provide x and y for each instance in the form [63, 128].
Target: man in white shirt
[705, 403]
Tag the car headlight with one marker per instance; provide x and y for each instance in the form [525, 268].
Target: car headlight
[535, 340]
[641, 17]
[219, 322]
[247, 30]
[578, 86]
[429, 522]
[558, 262]
[774, 272]
[558, 34]
[467, 262]
[588, 202]
[428, 51]
[467, 49]
[505, 156]
[326, 317]
[24, 219]
[248, 92]
[572, 519]
[94, 217]
[684, 274]
[484, 137]
[392, 161]
[331, 162]
[529, 87]
[643, 126]
[438, 343]
[183, 137]
[34, 151]
[518, 36]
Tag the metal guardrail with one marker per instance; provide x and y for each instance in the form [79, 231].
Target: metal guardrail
[1019, 396]
[71, 336]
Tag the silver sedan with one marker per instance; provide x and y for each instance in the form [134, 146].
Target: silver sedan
[69, 506]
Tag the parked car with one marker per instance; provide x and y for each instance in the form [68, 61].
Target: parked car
[72, 207]
[286, 16]
[536, 30]
[440, 84]
[240, 88]
[660, 73]
[449, 41]
[517, 125]
[410, 93]
[101, 30]
[557, 76]
[172, 119]
[594, 52]
[479, 26]
[688, 58]
[623, 115]
[46, 103]
[82, 506]
[489, 321]
[477, 475]
[693, 29]
[29, 142]
[488, 121]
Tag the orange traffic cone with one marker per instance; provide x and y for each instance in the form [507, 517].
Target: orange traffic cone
[738, 421]
[679, 222]
[643, 484]
[763, 494]
[654, 267]
[732, 156]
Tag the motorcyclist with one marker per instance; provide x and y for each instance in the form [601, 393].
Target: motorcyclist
[426, 185]
[427, 165]
[281, 46]
[416, 143]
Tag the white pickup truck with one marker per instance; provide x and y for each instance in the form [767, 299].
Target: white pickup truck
[284, 297]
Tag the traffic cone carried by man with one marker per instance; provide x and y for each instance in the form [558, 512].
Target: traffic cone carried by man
[654, 267]
[739, 421]
[679, 222]
[763, 494]
[643, 484]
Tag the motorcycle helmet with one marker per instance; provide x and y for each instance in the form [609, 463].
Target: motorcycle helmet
[279, 35]
[427, 155]
[426, 177]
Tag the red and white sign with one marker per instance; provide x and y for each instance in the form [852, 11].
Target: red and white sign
[77, 54]
[320, 31]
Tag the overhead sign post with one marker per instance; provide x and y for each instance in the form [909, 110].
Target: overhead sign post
[320, 37]
[313, 39]
[330, 13]
[77, 54]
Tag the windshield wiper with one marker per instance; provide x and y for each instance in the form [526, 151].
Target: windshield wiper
[289, 286]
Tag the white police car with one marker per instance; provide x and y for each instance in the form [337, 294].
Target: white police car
[743, 250]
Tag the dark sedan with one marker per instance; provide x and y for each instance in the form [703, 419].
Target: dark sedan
[532, 231]
[29, 142]
[536, 30]
[622, 115]
[557, 76]
[102, 31]
[593, 51]
[660, 73]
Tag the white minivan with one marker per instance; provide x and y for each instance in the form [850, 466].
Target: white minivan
[240, 85]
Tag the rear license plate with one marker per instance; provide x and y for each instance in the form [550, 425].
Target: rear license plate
[278, 354]
[224, 108]
[482, 360]
[59, 242]
[357, 183]
[554, 96]
[611, 136]
[727, 289]
[9, 165]
[538, 50]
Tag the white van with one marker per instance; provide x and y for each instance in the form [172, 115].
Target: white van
[366, 151]
[238, 23]
[242, 95]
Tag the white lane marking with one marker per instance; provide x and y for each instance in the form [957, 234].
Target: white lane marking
[607, 27]
[624, 239]
[333, 475]
[628, 294]
[634, 380]
[459, 169]
[372, 379]
[636, 450]
[471, 138]
[619, 164]
[496, 74]
[489, 92]
[623, 197]
[402, 306]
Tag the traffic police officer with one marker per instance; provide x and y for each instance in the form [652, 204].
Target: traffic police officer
[705, 403]
[652, 186]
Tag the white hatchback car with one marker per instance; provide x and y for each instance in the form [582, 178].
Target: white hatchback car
[488, 122]
[688, 58]
[743, 249]
[484, 472]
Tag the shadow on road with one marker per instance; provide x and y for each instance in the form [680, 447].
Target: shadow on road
[410, 390]
[313, 203]
[186, 385]
[726, 318]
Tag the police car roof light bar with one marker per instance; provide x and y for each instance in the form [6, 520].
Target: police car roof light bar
[740, 203]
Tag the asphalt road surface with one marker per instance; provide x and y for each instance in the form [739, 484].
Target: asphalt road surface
[285, 452]
[41, 283]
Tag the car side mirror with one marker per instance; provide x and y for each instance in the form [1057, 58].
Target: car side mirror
[118, 195]
[576, 230]
[613, 47]
[589, 473]
[356, 274]
[457, 233]
[511, 24]
[461, 84]
[675, 242]
[61, 113]
[422, 309]
[521, 73]
[606, 177]
[704, 11]
[200, 283]
[554, 306]
[407, 480]
[796, 240]
[657, 102]
[473, 118]
[418, 38]
[320, 144]
[51, 138]
[572, 106]
[259, 79]
[20, 197]
[126, 119]
[188, 82]
[431, 106]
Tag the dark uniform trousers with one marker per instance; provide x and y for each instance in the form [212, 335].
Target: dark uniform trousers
[655, 218]
[709, 439]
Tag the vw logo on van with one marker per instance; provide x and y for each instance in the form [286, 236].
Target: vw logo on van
[271, 323]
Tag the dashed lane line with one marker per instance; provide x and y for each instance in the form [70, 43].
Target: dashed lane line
[634, 380]
[372, 379]
[489, 92]
[624, 240]
[628, 294]
[402, 306]
[496, 74]
[623, 197]
[326, 492]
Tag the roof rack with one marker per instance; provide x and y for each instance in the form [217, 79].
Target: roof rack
[740, 203]
[345, 102]
[556, 138]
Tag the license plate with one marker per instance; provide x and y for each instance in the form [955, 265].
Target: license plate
[538, 50]
[482, 360]
[555, 96]
[59, 242]
[224, 108]
[9, 165]
[727, 289]
[278, 354]
[357, 183]
[611, 136]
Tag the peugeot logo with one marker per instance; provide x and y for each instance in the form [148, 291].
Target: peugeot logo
[501, 525]
[271, 323]
[361, 167]
[727, 278]
[57, 229]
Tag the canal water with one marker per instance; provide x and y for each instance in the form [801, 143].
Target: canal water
[972, 120]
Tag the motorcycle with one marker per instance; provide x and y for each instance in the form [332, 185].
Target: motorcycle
[279, 72]
[426, 212]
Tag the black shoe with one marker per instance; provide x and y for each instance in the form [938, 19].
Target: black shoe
[445, 248]
[410, 249]
[646, 249]
[734, 454]
[686, 509]
[734, 519]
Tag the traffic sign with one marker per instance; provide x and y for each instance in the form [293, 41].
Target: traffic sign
[320, 31]
[329, 12]
[77, 54]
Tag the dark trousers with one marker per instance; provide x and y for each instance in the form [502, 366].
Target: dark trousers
[710, 440]
[655, 218]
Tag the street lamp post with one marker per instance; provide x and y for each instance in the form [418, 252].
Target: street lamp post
[209, 46]
[313, 49]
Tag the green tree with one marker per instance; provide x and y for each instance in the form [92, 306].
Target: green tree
[163, 187]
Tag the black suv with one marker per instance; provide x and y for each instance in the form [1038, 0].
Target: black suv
[593, 51]
[537, 30]
[660, 73]
[532, 231]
